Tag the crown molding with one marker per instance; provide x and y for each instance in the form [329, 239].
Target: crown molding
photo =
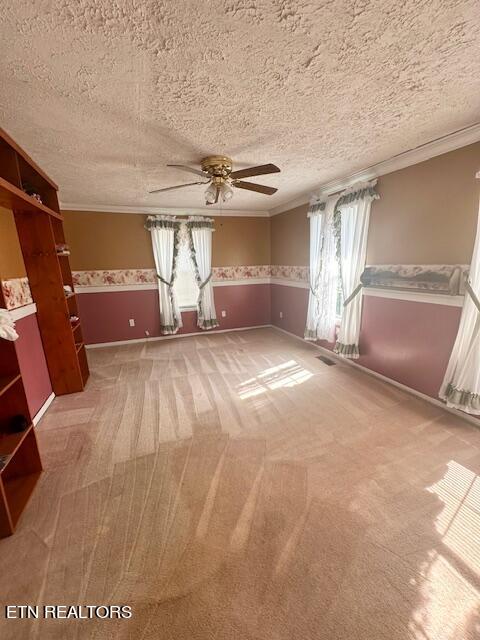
[292, 204]
[173, 211]
[437, 147]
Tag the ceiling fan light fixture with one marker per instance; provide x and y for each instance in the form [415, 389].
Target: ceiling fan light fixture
[226, 192]
[210, 193]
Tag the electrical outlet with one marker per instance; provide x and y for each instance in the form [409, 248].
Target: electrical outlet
[131, 322]
[224, 314]
[281, 315]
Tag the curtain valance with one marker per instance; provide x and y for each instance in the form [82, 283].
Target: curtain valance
[172, 222]
[358, 191]
[162, 222]
[200, 222]
[316, 208]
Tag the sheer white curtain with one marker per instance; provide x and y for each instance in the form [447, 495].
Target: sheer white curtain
[352, 216]
[200, 231]
[323, 280]
[165, 241]
[461, 385]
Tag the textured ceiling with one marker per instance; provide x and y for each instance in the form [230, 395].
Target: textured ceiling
[103, 93]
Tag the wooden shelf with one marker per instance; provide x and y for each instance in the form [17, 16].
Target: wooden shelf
[18, 477]
[10, 442]
[8, 381]
[12, 197]
[18, 492]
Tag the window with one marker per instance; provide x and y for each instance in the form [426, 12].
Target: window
[185, 287]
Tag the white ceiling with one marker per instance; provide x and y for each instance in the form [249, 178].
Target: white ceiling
[103, 93]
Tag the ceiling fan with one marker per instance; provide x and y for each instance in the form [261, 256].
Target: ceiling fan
[217, 173]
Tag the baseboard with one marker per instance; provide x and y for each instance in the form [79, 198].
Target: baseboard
[43, 408]
[394, 383]
[99, 345]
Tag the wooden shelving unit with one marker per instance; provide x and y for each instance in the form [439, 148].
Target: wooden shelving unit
[21, 465]
[40, 231]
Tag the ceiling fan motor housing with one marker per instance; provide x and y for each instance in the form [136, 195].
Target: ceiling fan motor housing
[217, 166]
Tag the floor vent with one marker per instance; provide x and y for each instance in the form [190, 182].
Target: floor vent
[326, 360]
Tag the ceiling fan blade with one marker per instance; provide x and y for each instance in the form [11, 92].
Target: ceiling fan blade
[178, 186]
[261, 170]
[251, 186]
[183, 167]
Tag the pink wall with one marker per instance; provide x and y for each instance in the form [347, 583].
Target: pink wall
[409, 342]
[105, 315]
[293, 303]
[33, 365]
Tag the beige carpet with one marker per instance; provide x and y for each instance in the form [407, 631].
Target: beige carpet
[234, 487]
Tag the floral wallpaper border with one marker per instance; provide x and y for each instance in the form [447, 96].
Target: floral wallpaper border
[16, 293]
[115, 277]
[240, 272]
[298, 274]
[430, 278]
